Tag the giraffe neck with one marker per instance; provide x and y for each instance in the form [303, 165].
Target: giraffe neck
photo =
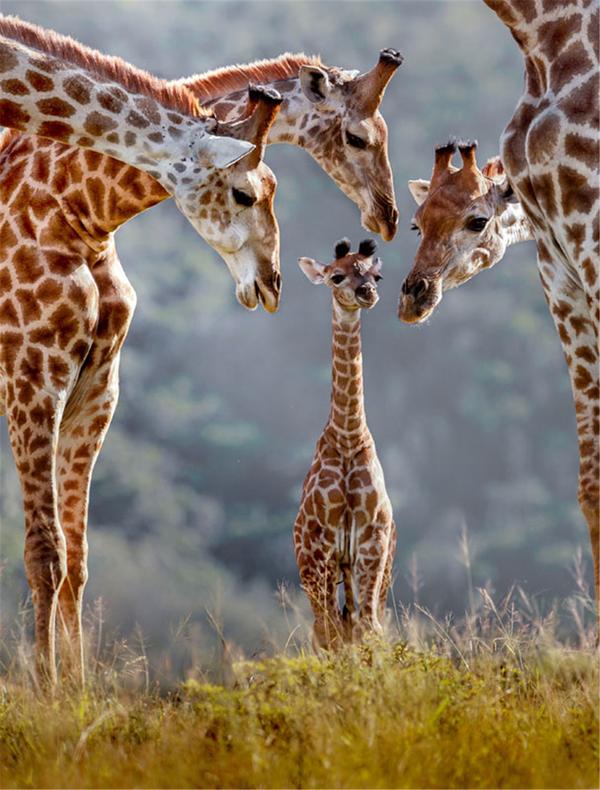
[53, 98]
[549, 30]
[558, 43]
[347, 424]
[101, 193]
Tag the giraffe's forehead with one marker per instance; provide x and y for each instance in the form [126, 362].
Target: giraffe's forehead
[362, 266]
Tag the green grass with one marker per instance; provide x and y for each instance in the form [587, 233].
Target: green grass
[493, 712]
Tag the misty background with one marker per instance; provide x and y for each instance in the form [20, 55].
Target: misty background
[196, 490]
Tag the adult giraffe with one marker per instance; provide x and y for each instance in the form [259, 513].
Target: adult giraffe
[550, 152]
[351, 146]
[330, 112]
[65, 304]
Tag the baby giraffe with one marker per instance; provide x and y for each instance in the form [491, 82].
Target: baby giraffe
[345, 531]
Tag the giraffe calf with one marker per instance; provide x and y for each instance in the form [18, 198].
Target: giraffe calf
[344, 531]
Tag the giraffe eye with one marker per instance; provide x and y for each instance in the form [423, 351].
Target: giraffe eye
[242, 198]
[415, 227]
[477, 224]
[355, 141]
[377, 277]
[338, 278]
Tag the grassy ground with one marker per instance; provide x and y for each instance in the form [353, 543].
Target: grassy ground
[483, 707]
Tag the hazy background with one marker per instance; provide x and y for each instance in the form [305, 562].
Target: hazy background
[197, 487]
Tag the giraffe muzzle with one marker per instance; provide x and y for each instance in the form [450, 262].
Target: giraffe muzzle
[418, 299]
[269, 295]
[366, 296]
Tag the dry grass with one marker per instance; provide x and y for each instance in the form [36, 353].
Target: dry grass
[494, 701]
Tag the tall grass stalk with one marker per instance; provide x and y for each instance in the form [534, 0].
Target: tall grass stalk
[496, 699]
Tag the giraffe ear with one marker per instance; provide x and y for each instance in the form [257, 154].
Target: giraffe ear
[222, 152]
[313, 270]
[315, 83]
[493, 169]
[419, 189]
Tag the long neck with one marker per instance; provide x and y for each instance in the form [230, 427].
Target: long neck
[54, 98]
[100, 193]
[533, 27]
[347, 421]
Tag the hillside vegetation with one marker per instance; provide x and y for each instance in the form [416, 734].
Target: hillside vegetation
[494, 702]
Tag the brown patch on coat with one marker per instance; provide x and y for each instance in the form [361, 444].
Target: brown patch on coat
[14, 87]
[41, 82]
[56, 106]
[26, 264]
[97, 124]
[13, 115]
[586, 149]
[576, 192]
[57, 130]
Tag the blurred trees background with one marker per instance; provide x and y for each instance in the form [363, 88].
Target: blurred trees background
[196, 490]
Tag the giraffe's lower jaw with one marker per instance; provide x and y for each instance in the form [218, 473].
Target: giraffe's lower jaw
[250, 294]
[411, 313]
[247, 296]
[367, 304]
[385, 225]
[268, 299]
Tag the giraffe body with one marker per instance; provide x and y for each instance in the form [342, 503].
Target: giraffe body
[550, 165]
[65, 308]
[344, 531]
[82, 196]
[551, 153]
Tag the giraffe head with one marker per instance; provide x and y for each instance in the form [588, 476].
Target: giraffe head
[347, 135]
[234, 207]
[466, 219]
[352, 276]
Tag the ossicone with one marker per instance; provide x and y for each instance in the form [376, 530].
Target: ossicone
[264, 94]
[367, 247]
[392, 56]
[342, 248]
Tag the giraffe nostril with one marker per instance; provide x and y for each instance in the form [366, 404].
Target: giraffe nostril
[420, 287]
[417, 289]
[365, 291]
[277, 281]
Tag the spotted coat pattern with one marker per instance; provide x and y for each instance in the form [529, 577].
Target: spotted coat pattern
[550, 150]
[331, 113]
[344, 531]
[65, 308]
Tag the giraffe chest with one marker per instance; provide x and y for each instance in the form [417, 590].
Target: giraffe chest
[552, 164]
[342, 501]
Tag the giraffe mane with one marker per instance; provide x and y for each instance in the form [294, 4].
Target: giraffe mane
[229, 79]
[171, 94]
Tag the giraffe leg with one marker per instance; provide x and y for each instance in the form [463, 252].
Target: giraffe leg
[33, 421]
[81, 438]
[82, 435]
[370, 568]
[387, 573]
[320, 585]
[578, 329]
[319, 575]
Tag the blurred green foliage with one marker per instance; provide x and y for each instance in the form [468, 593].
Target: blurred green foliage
[195, 492]
[374, 717]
